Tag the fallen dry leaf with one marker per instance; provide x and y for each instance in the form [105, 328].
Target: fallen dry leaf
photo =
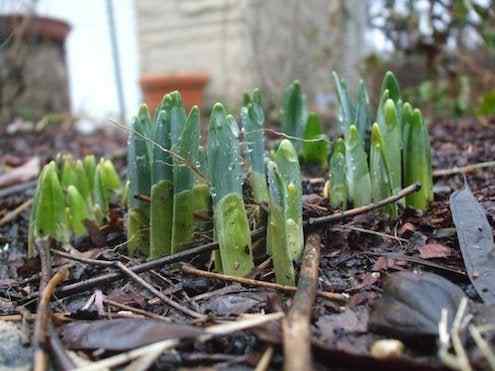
[21, 174]
[123, 334]
[434, 250]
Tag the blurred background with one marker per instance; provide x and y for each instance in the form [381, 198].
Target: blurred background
[88, 61]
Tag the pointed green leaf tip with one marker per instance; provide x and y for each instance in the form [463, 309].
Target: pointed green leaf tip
[357, 172]
[418, 163]
[50, 218]
[294, 113]
[392, 138]
[277, 231]
[380, 179]
[77, 211]
[315, 147]
[391, 84]
[338, 186]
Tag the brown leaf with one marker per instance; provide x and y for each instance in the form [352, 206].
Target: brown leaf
[21, 174]
[123, 334]
[384, 263]
[434, 250]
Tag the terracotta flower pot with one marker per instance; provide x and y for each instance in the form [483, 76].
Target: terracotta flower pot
[34, 27]
[190, 85]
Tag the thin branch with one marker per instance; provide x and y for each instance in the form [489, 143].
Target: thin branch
[14, 213]
[297, 325]
[464, 169]
[187, 268]
[365, 209]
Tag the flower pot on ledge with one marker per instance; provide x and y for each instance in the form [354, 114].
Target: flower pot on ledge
[190, 85]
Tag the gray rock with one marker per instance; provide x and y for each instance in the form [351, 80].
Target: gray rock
[14, 356]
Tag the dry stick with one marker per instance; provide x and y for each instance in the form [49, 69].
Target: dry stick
[266, 358]
[365, 209]
[463, 169]
[187, 268]
[119, 265]
[41, 322]
[211, 246]
[297, 325]
[135, 310]
[64, 362]
[43, 319]
[14, 213]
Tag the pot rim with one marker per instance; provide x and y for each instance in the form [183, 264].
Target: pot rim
[181, 79]
[51, 28]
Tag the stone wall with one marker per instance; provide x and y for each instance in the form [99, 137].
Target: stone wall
[243, 44]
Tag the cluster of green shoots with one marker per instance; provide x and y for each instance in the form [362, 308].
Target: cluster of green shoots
[175, 186]
[399, 152]
[69, 194]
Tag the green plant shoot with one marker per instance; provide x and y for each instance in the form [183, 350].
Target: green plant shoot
[418, 163]
[277, 232]
[338, 187]
[380, 182]
[294, 113]
[231, 223]
[252, 119]
[315, 147]
[356, 169]
[78, 211]
[288, 166]
[139, 173]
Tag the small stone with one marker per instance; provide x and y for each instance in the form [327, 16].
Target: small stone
[387, 349]
[14, 356]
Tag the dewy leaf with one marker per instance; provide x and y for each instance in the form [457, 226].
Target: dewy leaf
[252, 119]
[338, 186]
[346, 107]
[288, 166]
[294, 113]
[411, 305]
[50, 218]
[231, 223]
[380, 180]
[390, 131]
[34, 213]
[161, 219]
[475, 241]
[233, 235]
[123, 334]
[277, 228]
[187, 148]
[417, 164]
[356, 169]
[362, 116]
[139, 175]
[315, 147]
[77, 211]
[162, 160]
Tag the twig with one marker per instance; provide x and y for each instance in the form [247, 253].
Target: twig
[483, 346]
[135, 310]
[134, 276]
[18, 188]
[266, 358]
[41, 321]
[161, 346]
[14, 213]
[157, 293]
[211, 246]
[64, 362]
[364, 209]
[463, 169]
[187, 268]
[297, 325]
[47, 288]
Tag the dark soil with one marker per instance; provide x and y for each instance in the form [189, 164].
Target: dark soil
[356, 256]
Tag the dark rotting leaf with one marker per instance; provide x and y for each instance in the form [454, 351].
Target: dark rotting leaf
[122, 334]
[475, 241]
[411, 305]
